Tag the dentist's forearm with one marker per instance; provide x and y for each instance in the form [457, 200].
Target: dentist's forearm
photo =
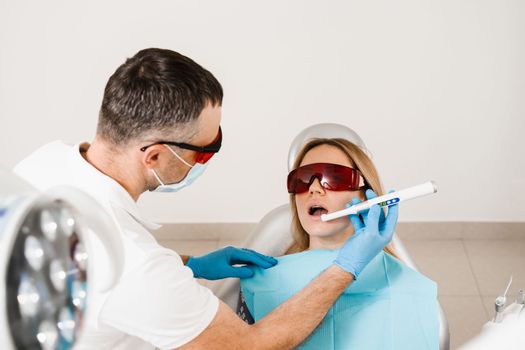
[292, 322]
[284, 328]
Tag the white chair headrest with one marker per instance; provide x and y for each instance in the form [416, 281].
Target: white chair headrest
[323, 130]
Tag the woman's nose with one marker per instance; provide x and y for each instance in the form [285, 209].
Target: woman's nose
[315, 186]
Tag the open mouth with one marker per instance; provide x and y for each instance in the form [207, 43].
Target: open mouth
[317, 210]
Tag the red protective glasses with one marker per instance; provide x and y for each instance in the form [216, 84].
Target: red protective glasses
[204, 153]
[333, 177]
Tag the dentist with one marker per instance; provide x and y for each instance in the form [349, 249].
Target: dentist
[159, 125]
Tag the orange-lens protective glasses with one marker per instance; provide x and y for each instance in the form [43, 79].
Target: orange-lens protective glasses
[204, 153]
[333, 177]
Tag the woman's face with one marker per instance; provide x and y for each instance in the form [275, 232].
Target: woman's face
[330, 200]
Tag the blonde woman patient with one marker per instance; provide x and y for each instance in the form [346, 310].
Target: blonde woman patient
[389, 306]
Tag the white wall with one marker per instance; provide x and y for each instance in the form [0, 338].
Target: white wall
[435, 88]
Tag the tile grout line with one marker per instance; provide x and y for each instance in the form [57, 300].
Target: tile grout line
[475, 278]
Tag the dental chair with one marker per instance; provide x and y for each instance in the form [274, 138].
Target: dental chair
[272, 234]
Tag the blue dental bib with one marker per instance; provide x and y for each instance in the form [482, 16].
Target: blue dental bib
[390, 306]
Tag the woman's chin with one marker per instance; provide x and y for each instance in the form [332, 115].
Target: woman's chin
[325, 232]
[320, 228]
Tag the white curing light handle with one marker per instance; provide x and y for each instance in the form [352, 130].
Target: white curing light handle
[385, 200]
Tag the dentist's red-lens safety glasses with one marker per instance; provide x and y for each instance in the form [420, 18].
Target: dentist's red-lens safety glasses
[204, 153]
[333, 177]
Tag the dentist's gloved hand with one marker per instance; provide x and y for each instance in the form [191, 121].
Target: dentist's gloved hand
[371, 234]
[219, 264]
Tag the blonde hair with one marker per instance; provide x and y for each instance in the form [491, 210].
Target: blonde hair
[359, 160]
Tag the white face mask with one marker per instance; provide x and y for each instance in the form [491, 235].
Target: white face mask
[196, 170]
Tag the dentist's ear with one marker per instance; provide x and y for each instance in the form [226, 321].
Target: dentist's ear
[152, 155]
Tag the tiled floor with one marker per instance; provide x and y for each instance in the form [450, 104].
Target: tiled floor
[470, 274]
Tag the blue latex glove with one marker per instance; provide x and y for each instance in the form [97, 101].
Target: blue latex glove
[372, 233]
[219, 264]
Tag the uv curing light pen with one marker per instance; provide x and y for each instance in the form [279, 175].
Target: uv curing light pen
[386, 200]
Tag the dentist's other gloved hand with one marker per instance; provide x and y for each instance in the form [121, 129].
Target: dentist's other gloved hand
[219, 264]
[372, 233]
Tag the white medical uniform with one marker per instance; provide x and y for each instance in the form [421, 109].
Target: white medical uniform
[157, 302]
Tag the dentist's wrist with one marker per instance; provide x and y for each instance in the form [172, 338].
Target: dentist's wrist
[185, 259]
[194, 266]
[342, 274]
[350, 263]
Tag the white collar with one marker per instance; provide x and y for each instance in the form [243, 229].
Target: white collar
[112, 190]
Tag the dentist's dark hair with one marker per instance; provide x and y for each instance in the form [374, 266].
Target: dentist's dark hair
[153, 92]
